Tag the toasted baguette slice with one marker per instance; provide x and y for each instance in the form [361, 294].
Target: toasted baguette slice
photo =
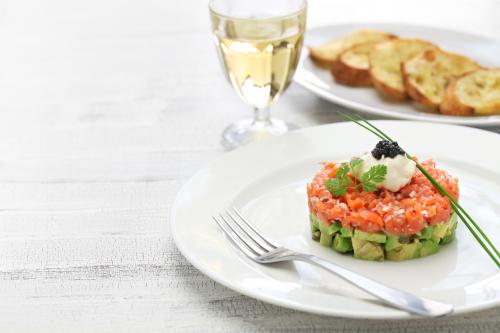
[474, 93]
[325, 54]
[385, 64]
[352, 67]
[427, 75]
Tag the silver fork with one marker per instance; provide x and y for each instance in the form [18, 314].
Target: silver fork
[258, 248]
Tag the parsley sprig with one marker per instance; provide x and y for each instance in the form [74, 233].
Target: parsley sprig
[368, 181]
[376, 174]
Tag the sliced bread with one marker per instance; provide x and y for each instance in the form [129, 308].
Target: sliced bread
[352, 67]
[427, 75]
[385, 64]
[325, 54]
[476, 93]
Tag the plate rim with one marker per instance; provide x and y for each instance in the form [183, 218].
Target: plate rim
[301, 79]
[393, 314]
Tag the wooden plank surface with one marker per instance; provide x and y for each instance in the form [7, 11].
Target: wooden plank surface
[106, 109]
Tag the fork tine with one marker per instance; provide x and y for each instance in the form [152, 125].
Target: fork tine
[237, 243]
[253, 229]
[240, 225]
[245, 239]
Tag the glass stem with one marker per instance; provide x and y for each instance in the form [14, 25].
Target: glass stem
[261, 116]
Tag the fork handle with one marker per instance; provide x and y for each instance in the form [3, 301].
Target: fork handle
[394, 297]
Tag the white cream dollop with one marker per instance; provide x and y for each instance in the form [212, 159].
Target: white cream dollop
[400, 170]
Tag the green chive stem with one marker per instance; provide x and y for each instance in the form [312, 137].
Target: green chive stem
[457, 208]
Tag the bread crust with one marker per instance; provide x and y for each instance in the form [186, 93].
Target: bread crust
[451, 104]
[387, 90]
[414, 93]
[319, 59]
[344, 73]
[350, 76]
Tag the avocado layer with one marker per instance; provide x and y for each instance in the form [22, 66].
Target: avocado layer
[364, 249]
[379, 246]
[342, 244]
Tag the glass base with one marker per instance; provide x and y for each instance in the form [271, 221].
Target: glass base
[245, 131]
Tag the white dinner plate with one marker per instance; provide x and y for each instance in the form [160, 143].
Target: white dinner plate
[367, 100]
[267, 181]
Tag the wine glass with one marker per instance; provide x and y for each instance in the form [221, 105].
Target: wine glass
[259, 44]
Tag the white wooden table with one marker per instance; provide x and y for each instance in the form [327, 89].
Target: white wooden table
[106, 109]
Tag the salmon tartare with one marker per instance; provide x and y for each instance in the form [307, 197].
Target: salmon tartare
[380, 207]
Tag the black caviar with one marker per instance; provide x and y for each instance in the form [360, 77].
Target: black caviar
[386, 148]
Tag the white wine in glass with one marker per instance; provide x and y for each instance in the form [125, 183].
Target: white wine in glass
[259, 44]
